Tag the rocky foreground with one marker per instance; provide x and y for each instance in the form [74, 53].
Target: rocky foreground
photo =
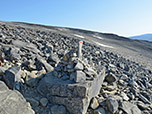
[41, 73]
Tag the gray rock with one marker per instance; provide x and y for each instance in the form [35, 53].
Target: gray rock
[44, 102]
[78, 66]
[130, 108]
[58, 109]
[18, 43]
[33, 102]
[32, 48]
[12, 75]
[94, 103]
[53, 59]
[12, 102]
[100, 110]
[80, 76]
[121, 65]
[14, 54]
[124, 96]
[102, 101]
[110, 78]
[112, 104]
[46, 65]
[2, 71]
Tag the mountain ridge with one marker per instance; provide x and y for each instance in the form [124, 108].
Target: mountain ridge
[147, 37]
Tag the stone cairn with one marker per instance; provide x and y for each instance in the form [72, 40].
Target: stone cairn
[72, 83]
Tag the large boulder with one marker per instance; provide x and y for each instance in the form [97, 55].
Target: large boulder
[12, 102]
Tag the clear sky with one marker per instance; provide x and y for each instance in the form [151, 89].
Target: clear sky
[123, 17]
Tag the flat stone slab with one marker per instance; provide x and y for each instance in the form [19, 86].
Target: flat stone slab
[74, 96]
[12, 102]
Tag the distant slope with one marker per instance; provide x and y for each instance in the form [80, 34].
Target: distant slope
[139, 51]
[147, 37]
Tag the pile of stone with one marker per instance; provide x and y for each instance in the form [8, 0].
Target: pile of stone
[37, 63]
[72, 84]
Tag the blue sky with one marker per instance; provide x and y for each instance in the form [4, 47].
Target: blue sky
[123, 17]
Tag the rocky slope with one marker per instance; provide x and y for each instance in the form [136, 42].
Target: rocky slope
[30, 52]
[136, 50]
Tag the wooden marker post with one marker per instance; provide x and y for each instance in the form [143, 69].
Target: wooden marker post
[80, 49]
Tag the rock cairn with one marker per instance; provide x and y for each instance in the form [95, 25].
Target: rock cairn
[73, 83]
[31, 55]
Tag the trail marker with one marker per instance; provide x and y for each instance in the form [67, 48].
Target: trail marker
[80, 49]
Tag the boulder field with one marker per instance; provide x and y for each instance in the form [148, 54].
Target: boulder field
[41, 73]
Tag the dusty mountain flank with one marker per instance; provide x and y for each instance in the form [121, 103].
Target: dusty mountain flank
[41, 65]
[135, 50]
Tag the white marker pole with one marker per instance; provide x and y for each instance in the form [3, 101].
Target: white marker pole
[80, 49]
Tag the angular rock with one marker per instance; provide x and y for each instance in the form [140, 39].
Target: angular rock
[46, 65]
[124, 96]
[53, 59]
[18, 43]
[78, 66]
[12, 76]
[14, 54]
[58, 109]
[12, 102]
[44, 102]
[2, 71]
[94, 103]
[100, 110]
[74, 96]
[130, 108]
[80, 76]
[112, 104]
[110, 78]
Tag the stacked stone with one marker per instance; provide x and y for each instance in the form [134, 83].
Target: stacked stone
[72, 84]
